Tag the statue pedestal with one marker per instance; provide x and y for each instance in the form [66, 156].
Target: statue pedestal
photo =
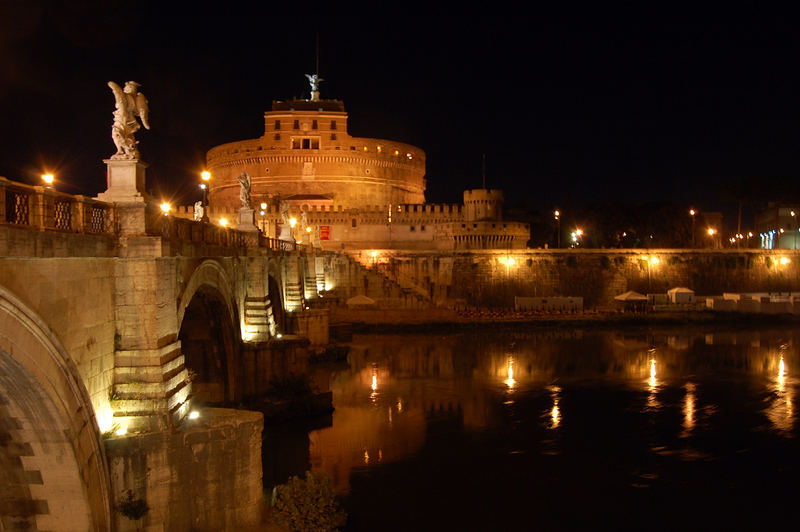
[246, 220]
[125, 181]
[286, 233]
[125, 187]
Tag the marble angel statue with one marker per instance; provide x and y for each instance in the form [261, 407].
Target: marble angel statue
[244, 189]
[199, 211]
[131, 104]
[314, 80]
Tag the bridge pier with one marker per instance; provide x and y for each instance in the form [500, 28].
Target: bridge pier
[151, 385]
[259, 323]
[294, 276]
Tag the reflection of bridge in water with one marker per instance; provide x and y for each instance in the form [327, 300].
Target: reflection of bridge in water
[116, 323]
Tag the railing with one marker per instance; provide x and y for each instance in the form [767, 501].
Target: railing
[190, 231]
[44, 208]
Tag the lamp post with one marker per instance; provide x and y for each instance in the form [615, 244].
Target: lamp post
[263, 213]
[576, 235]
[557, 215]
[48, 180]
[711, 232]
[205, 175]
[692, 212]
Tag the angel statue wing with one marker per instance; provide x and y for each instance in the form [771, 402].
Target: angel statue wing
[314, 80]
[119, 96]
[143, 110]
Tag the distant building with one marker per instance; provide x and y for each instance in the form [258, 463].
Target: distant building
[351, 192]
[778, 226]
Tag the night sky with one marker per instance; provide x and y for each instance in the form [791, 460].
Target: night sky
[630, 109]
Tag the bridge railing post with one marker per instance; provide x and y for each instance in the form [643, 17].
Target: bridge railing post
[3, 188]
[78, 213]
[38, 209]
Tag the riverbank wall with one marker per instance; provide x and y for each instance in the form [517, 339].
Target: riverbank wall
[492, 278]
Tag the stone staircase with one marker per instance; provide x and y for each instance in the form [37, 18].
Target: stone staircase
[370, 281]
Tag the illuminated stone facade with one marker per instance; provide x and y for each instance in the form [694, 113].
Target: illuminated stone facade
[306, 151]
[347, 192]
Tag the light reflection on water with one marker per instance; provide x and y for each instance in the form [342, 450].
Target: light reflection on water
[620, 408]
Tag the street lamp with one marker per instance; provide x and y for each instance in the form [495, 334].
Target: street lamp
[576, 237]
[692, 212]
[263, 212]
[205, 175]
[557, 215]
[711, 232]
[48, 180]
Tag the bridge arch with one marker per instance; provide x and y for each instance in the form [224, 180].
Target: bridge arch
[54, 467]
[210, 334]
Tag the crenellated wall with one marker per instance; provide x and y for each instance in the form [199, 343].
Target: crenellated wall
[421, 227]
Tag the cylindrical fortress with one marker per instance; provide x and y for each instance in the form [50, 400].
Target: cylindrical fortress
[306, 155]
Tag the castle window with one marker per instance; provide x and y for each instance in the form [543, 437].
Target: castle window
[353, 223]
[333, 136]
[353, 148]
[305, 143]
[413, 228]
[277, 125]
[333, 124]
[314, 124]
[421, 227]
[277, 136]
[297, 124]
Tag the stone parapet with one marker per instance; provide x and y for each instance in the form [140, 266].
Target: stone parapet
[46, 209]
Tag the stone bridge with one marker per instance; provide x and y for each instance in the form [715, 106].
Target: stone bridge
[117, 323]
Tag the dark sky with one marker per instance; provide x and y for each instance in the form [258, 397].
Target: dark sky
[631, 107]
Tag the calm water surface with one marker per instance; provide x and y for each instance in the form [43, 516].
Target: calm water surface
[524, 430]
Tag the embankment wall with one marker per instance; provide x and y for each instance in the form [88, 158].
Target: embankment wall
[492, 278]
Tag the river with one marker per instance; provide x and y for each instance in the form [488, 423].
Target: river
[563, 429]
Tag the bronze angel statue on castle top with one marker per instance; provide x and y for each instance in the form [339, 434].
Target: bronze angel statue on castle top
[130, 104]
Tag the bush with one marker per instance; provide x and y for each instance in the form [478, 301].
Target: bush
[308, 504]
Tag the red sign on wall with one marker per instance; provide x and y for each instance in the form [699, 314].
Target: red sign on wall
[324, 232]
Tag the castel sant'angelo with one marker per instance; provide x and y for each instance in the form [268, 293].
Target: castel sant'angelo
[343, 192]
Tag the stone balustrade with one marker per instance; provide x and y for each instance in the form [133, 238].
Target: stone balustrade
[44, 208]
[176, 228]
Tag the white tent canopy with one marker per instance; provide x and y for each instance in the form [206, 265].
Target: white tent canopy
[630, 295]
[360, 301]
[680, 294]
[680, 290]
